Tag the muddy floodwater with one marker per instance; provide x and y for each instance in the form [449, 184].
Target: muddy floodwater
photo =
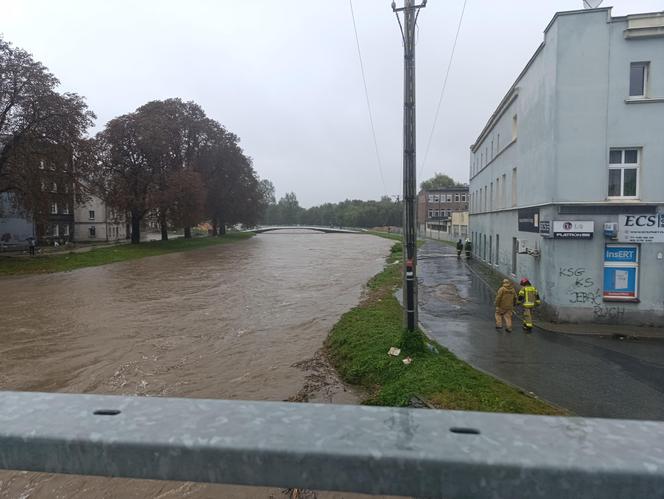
[237, 321]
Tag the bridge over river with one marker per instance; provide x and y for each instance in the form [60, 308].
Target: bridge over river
[327, 230]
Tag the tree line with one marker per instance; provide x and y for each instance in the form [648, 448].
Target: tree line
[349, 213]
[167, 160]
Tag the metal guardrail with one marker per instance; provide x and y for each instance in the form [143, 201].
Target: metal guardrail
[376, 450]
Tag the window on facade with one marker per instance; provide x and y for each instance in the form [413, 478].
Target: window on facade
[431, 198]
[457, 197]
[449, 198]
[65, 209]
[504, 187]
[430, 213]
[514, 187]
[91, 214]
[54, 208]
[54, 187]
[436, 198]
[638, 79]
[93, 231]
[436, 213]
[514, 126]
[463, 198]
[491, 205]
[65, 230]
[497, 143]
[623, 172]
[498, 197]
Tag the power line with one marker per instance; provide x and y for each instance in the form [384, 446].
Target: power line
[442, 92]
[366, 95]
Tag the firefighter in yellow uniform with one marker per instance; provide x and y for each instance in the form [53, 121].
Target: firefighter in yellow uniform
[528, 298]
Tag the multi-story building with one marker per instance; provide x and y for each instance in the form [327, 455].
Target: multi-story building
[567, 176]
[56, 224]
[435, 208]
[96, 221]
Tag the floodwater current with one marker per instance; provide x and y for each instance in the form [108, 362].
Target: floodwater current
[237, 321]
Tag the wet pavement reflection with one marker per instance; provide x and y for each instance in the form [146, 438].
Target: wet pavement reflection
[591, 376]
[237, 321]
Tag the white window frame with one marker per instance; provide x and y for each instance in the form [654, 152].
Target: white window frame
[65, 232]
[54, 208]
[449, 198]
[431, 198]
[622, 166]
[646, 74]
[91, 214]
[436, 198]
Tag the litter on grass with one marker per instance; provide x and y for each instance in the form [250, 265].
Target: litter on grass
[394, 352]
[407, 361]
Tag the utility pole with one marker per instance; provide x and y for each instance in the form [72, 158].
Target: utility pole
[410, 14]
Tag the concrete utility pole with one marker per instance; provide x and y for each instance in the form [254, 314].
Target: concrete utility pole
[410, 14]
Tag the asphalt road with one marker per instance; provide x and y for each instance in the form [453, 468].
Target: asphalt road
[590, 376]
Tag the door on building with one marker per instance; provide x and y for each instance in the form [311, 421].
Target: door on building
[515, 252]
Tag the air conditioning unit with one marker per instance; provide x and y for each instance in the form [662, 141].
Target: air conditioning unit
[523, 246]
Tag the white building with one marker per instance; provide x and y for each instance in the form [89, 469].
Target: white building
[567, 176]
[95, 221]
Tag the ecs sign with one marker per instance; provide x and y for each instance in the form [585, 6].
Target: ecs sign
[641, 228]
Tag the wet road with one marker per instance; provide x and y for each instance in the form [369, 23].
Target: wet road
[595, 377]
[237, 321]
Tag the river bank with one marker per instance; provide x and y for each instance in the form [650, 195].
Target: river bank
[358, 348]
[62, 262]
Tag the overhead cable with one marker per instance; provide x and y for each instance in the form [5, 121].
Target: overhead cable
[442, 91]
[366, 94]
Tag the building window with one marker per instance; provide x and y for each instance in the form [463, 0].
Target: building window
[65, 209]
[436, 198]
[54, 187]
[93, 231]
[430, 213]
[65, 230]
[638, 79]
[504, 192]
[515, 122]
[463, 198]
[91, 214]
[54, 208]
[514, 187]
[457, 197]
[498, 144]
[623, 173]
[491, 200]
[431, 198]
[449, 198]
[498, 196]
[436, 213]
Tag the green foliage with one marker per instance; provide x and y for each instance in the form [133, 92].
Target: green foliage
[358, 345]
[440, 181]
[111, 254]
[349, 213]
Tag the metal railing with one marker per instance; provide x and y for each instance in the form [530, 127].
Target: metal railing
[376, 450]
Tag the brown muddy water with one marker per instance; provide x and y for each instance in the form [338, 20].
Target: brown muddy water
[240, 321]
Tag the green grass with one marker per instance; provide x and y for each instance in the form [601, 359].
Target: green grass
[358, 345]
[112, 254]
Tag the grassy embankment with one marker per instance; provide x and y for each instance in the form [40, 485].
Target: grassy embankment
[358, 345]
[101, 256]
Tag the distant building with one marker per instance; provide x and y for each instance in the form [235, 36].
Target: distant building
[567, 176]
[95, 221]
[56, 224]
[435, 209]
[16, 226]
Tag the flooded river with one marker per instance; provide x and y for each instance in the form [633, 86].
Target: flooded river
[238, 321]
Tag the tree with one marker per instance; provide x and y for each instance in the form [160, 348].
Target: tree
[289, 209]
[41, 132]
[440, 181]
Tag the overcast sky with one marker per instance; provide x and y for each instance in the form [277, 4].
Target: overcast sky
[285, 76]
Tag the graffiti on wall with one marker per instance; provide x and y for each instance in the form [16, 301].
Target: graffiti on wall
[579, 286]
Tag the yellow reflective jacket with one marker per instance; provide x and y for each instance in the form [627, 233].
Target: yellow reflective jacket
[529, 297]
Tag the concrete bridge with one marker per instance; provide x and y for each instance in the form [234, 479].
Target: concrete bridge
[326, 230]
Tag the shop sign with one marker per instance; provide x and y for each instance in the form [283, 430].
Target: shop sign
[573, 229]
[545, 228]
[641, 228]
[621, 272]
[529, 220]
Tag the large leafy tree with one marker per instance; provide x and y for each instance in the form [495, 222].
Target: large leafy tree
[41, 131]
[440, 181]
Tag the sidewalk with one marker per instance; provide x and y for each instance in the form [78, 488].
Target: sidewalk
[493, 280]
[591, 375]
